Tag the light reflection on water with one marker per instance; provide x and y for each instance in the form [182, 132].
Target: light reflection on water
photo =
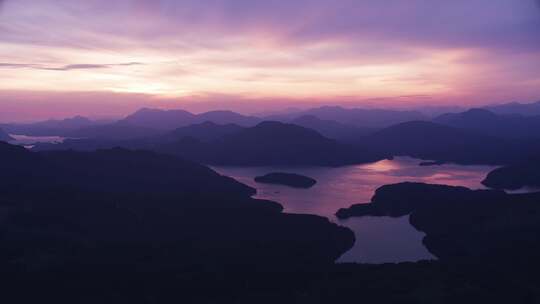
[378, 240]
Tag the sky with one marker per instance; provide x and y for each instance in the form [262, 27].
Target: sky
[105, 58]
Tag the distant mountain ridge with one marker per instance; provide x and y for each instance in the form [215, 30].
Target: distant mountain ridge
[332, 129]
[526, 109]
[367, 118]
[52, 127]
[4, 136]
[432, 141]
[206, 131]
[114, 131]
[486, 122]
[155, 122]
[173, 119]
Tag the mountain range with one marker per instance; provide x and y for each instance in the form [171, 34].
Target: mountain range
[488, 123]
[52, 127]
[326, 136]
[525, 109]
[332, 129]
[173, 119]
[365, 118]
[432, 141]
[271, 143]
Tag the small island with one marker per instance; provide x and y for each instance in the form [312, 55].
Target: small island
[287, 179]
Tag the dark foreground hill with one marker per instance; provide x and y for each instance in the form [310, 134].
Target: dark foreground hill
[133, 199]
[114, 131]
[117, 226]
[462, 225]
[114, 211]
[490, 237]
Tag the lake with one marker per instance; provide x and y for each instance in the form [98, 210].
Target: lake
[378, 239]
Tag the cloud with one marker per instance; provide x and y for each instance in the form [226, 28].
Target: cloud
[15, 65]
[301, 48]
[494, 24]
[68, 67]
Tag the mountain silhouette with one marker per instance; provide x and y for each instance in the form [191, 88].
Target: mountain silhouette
[173, 119]
[111, 209]
[489, 123]
[228, 117]
[159, 119]
[272, 143]
[523, 174]
[114, 131]
[332, 129]
[206, 131]
[525, 109]
[366, 118]
[431, 141]
[4, 136]
[147, 123]
[52, 127]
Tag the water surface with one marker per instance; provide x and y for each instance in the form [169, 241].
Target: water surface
[378, 239]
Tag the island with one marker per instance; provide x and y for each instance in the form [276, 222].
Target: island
[525, 174]
[287, 179]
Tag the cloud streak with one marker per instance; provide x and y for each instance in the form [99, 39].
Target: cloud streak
[468, 51]
[69, 67]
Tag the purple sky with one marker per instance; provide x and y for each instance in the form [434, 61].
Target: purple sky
[103, 57]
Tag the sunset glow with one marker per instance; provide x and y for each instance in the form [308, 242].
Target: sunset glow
[178, 52]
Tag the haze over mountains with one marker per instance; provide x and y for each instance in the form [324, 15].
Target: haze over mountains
[4, 136]
[52, 127]
[525, 109]
[325, 136]
[107, 210]
[365, 118]
[499, 125]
